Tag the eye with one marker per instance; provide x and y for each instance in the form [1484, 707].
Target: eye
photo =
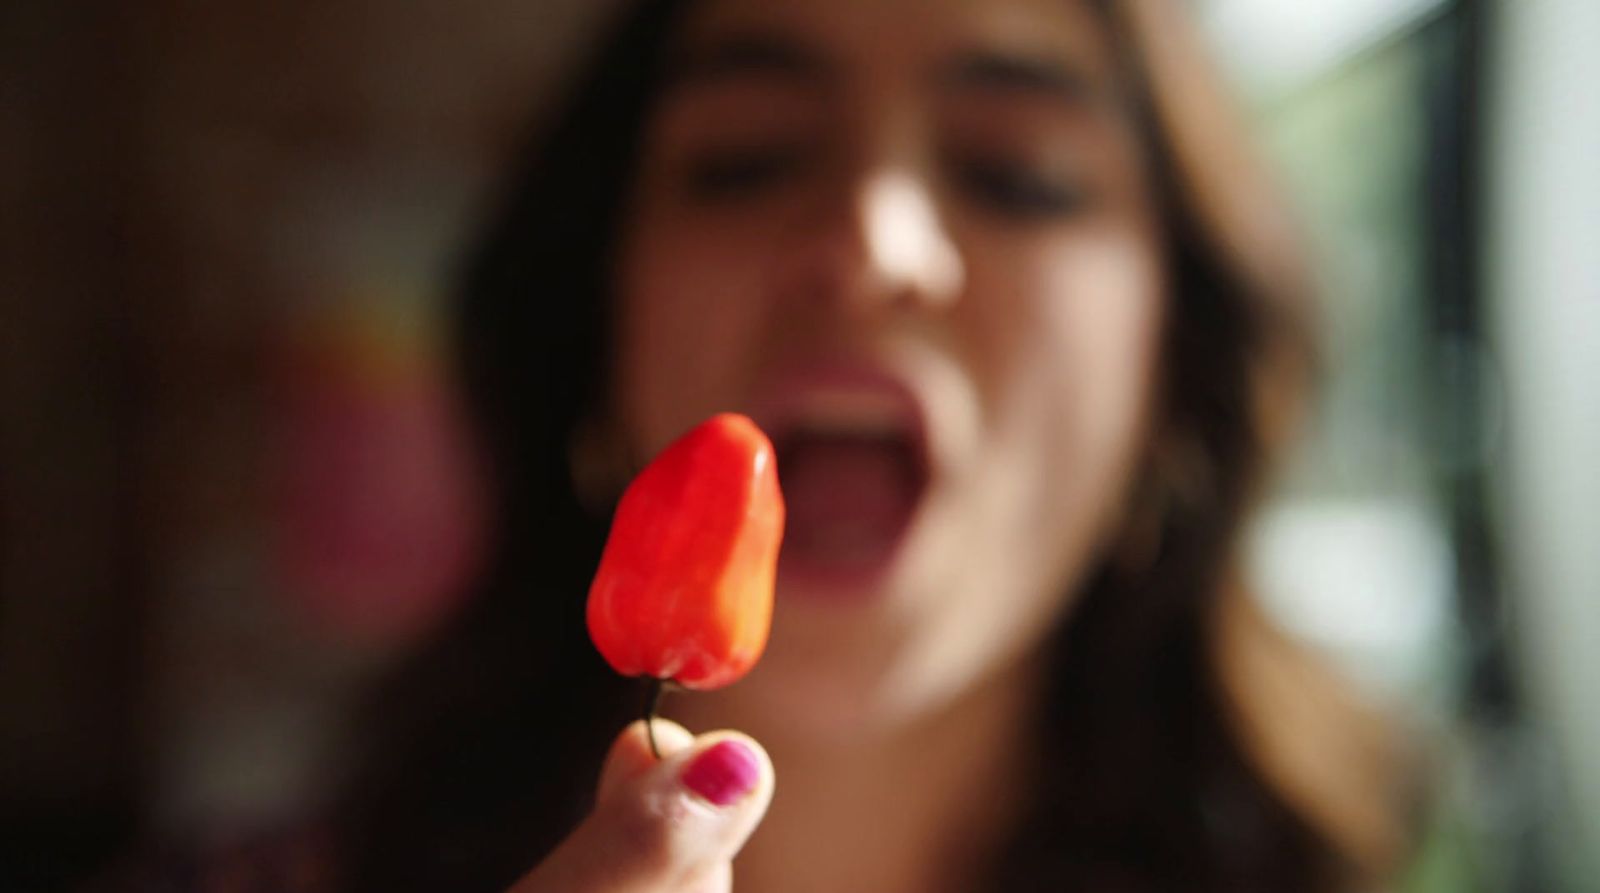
[1018, 189]
[727, 174]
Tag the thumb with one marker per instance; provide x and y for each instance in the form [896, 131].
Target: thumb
[661, 825]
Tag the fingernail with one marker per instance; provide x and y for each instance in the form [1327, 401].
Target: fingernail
[722, 775]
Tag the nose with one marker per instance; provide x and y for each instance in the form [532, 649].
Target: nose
[884, 243]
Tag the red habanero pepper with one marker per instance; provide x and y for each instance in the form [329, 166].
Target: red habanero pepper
[684, 588]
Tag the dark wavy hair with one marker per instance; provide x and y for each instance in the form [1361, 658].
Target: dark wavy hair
[1191, 746]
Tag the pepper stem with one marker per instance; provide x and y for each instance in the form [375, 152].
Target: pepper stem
[652, 700]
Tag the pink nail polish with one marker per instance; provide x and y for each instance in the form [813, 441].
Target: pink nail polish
[722, 775]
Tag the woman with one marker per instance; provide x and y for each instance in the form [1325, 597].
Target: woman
[1016, 308]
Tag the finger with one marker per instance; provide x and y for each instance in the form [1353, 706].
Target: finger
[669, 826]
[630, 754]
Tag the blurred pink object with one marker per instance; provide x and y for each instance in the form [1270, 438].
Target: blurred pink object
[379, 510]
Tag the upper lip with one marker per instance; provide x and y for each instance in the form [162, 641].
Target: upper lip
[861, 395]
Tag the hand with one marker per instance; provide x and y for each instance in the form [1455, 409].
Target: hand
[663, 826]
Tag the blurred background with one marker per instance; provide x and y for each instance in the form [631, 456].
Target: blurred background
[233, 487]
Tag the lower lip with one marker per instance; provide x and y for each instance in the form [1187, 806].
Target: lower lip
[860, 581]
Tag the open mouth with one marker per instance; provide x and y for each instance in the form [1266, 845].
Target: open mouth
[852, 462]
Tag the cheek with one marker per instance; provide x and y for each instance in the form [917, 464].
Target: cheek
[689, 319]
[1061, 339]
[1071, 360]
[1096, 342]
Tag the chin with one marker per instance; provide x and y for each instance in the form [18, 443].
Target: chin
[841, 679]
[822, 681]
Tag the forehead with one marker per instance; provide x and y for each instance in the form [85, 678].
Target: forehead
[866, 38]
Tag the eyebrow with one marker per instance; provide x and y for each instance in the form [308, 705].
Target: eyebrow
[745, 55]
[991, 70]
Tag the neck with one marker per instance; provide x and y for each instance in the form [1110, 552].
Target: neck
[921, 807]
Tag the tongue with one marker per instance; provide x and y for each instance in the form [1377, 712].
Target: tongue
[848, 499]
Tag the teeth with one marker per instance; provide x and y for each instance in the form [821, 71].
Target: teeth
[855, 413]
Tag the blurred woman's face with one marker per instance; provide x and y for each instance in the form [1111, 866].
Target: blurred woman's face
[915, 241]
